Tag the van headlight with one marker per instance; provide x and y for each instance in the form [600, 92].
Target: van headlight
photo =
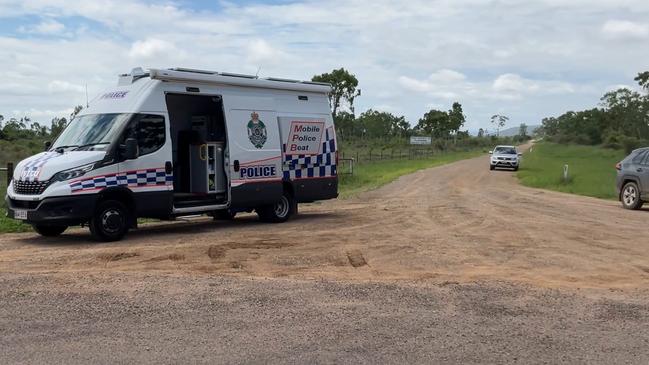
[73, 173]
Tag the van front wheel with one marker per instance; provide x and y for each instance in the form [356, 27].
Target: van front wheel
[280, 211]
[49, 231]
[110, 221]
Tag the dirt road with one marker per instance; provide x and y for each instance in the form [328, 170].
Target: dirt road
[458, 222]
[430, 265]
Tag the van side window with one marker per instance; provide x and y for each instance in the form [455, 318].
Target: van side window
[149, 130]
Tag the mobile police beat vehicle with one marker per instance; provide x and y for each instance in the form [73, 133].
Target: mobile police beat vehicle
[168, 143]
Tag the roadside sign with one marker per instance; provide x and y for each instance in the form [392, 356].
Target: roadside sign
[420, 140]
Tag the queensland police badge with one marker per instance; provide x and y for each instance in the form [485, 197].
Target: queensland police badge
[257, 131]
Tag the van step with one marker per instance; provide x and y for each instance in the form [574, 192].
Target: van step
[191, 218]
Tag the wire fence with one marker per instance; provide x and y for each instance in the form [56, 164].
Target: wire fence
[366, 156]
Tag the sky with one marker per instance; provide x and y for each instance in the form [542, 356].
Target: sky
[524, 59]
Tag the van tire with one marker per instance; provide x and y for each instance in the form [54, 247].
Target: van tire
[279, 212]
[110, 221]
[630, 196]
[492, 167]
[49, 231]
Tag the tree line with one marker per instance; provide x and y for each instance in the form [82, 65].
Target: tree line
[620, 121]
[373, 124]
[25, 128]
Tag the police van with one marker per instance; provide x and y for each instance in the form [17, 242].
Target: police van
[167, 143]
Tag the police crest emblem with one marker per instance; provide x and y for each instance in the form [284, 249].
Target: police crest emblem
[257, 131]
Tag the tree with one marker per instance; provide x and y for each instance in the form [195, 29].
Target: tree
[76, 111]
[643, 80]
[345, 124]
[343, 88]
[58, 125]
[435, 123]
[456, 117]
[522, 130]
[481, 133]
[499, 121]
[383, 124]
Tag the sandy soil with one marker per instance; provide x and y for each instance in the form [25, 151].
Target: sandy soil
[456, 223]
[454, 264]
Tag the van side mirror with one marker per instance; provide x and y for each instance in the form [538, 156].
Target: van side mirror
[130, 149]
[520, 154]
[491, 152]
[47, 146]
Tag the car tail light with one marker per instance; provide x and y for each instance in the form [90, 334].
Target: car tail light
[618, 166]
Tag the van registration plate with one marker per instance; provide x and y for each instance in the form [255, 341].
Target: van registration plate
[20, 214]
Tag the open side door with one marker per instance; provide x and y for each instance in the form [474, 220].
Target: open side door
[255, 151]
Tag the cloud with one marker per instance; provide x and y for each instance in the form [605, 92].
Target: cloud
[152, 49]
[64, 86]
[444, 83]
[260, 52]
[512, 86]
[624, 29]
[46, 27]
[528, 59]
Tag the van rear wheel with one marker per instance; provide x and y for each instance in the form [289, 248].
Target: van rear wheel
[49, 231]
[110, 221]
[280, 211]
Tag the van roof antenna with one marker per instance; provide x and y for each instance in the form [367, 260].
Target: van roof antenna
[87, 104]
[257, 74]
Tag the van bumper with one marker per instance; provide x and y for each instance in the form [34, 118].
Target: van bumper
[67, 210]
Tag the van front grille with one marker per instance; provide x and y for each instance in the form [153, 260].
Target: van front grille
[30, 187]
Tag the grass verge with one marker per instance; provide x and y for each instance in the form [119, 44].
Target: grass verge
[376, 174]
[6, 224]
[591, 170]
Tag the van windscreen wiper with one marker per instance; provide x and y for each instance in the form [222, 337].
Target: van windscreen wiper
[60, 149]
[89, 145]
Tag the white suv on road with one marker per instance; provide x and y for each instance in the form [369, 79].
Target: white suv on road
[504, 156]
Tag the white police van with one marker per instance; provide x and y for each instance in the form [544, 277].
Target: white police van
[169, 143]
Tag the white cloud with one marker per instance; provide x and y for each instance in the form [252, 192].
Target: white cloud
[64, 86]
[151, 48]
[261, 53]
[624, 29]
[539, 58]
[444, 83]
[514, 86]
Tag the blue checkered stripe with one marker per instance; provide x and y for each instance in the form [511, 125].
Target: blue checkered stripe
[32, 168]
[139, 178]
[307, 166]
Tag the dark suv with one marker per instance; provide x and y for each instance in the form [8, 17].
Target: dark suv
[633, 179]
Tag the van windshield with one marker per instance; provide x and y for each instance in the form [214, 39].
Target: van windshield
[92, 132]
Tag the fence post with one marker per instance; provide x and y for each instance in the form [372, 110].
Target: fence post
[10, 172]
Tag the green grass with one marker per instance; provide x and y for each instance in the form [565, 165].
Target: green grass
[7, 224]
[591, 169]
[376, 174]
